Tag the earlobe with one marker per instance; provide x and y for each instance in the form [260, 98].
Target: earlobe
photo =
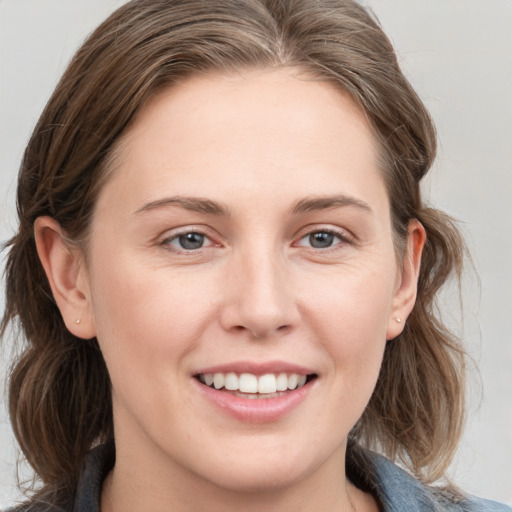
[67, 277]
[405, 294]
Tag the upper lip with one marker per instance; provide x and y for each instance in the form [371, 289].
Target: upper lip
[257, 368]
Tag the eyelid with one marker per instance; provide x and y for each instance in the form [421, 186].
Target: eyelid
[173, 234]
[345, 236]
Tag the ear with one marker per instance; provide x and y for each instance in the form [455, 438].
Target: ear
[67, 276]
[407, 280]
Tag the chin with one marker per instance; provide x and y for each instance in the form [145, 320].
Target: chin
[266, 468]
[257, 478]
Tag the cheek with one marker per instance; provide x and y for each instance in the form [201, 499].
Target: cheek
[350, 315]
[145, 316]
[354, 302]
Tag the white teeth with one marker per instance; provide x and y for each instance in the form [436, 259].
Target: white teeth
[267, 384]
[248, 383]
[231, 381]
[293, 380]
[282, 382]
[218, 380]
[251, 384]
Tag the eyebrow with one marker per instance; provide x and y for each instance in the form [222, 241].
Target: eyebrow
[309, 204]
[209, 207]
[194, 204]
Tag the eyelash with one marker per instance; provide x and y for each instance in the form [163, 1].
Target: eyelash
[168, 241]
[341, 236]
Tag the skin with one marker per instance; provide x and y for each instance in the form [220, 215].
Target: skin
[257, 145]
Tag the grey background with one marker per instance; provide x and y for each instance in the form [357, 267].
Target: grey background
[458, 55]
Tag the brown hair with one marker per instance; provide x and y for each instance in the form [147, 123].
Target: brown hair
[59, 393]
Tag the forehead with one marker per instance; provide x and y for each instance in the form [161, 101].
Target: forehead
[255, 100]
[249, 130]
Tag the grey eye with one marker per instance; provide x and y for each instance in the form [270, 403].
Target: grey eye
[187, 242]
[321, 239]
[190, 241]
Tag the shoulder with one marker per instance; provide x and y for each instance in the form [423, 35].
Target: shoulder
[473, 504]
[38, 506]
[42, 505]
[396, 490]
[97, 463]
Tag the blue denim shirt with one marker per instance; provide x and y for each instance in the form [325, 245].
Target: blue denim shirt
[394, 489]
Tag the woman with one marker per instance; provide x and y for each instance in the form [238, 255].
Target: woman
[226, 275]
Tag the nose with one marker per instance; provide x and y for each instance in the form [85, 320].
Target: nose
[260, 298]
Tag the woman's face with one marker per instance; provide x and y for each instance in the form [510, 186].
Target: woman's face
[244, 235]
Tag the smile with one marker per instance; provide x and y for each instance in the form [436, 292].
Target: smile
[253, 393]
[252, 386]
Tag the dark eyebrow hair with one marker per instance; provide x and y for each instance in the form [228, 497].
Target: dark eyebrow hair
[207, 206]
[195, 204]
[309, 204]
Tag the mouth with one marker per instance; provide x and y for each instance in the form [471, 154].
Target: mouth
[252, 386]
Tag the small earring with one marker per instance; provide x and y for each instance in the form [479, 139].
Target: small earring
[76, 321]
[399, 320]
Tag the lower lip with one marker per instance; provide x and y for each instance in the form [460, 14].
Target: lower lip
[255, 410]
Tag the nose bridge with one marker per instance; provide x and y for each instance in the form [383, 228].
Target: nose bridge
[261, 296]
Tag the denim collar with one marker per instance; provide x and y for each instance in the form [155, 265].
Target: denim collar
[397, 491]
